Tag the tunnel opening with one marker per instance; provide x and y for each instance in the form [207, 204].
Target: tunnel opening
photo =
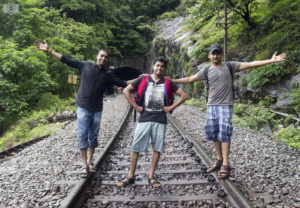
[125, 74]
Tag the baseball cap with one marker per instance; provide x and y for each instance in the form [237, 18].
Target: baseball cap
[214, 47]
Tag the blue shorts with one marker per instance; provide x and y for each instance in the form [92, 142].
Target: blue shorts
[219, 123]
[144, 131]
[88, 124]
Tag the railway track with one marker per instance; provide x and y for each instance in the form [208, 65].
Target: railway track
[181, 171]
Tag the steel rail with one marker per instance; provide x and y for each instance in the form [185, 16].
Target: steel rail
[80, 192]
[236, 198]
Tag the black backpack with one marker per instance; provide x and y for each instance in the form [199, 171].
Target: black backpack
[206, 77]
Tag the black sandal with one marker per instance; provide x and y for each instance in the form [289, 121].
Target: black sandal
[125, 182]
[216, 166]
[92, 168]
[154, 182]
[224, 172]
[84, 173]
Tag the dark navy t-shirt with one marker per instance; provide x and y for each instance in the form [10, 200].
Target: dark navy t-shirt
[93, 82]
[154, 100]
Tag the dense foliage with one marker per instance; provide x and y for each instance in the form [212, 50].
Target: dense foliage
[77, 28]
[35, 125]
[256, 29]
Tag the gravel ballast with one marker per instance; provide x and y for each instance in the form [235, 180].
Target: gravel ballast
[265, 170]
[31, 178]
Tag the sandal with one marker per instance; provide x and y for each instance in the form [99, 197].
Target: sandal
[215, 166]
[125, 182]
[92, 168]
[84, 173]
[224, 172]
[154, 182]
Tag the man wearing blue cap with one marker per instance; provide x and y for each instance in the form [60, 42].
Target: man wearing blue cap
[218, 127]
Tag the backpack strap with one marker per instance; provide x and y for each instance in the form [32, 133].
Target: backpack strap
[168, 92]
[206, 78]
[140, 92]
[169, 97]
[229, 66]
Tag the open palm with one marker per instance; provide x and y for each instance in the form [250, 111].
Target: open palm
[42, 46]
[280, 57]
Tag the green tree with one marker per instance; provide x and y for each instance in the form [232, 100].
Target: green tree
[207, 9]
[23, 78]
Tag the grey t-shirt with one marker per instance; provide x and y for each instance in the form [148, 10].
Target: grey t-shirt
[220, 83]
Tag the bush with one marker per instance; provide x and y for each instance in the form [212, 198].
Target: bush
[295, 103]
[48, 101]
[23, 78]
[290, 136]
[196, 102]
[32, 126]
[253, 117]
[169, 15]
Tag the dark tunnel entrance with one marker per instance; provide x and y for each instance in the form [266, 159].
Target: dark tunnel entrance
[126, 73]
[123, 73]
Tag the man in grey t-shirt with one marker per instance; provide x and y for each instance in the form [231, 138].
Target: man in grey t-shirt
[218, 127]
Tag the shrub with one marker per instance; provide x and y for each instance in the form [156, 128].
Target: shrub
[169, 15]
[48, 101]
[30, 125]
[255, 117]
[290, 136]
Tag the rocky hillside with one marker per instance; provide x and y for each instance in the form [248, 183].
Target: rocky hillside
[177, 43]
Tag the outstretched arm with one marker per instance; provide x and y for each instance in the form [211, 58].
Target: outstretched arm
[275, 58]
[182, 98]
[45, 47]
[186, 79]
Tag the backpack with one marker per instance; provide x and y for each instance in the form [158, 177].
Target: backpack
[229, 66]
[138, 96]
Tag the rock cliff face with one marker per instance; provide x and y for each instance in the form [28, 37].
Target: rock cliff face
[174, 41]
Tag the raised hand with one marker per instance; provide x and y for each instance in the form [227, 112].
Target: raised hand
[278, 58]
[42, 46]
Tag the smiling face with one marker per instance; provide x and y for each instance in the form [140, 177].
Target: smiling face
[102, 58]
[159, 68]
[215, 57]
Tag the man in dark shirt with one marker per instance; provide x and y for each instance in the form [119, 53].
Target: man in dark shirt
[153, 119]
[94, 78]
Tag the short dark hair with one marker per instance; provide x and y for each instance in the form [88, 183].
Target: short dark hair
[103, 49]
[160, 59]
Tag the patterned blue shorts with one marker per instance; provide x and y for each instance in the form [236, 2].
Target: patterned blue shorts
[219, 123]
